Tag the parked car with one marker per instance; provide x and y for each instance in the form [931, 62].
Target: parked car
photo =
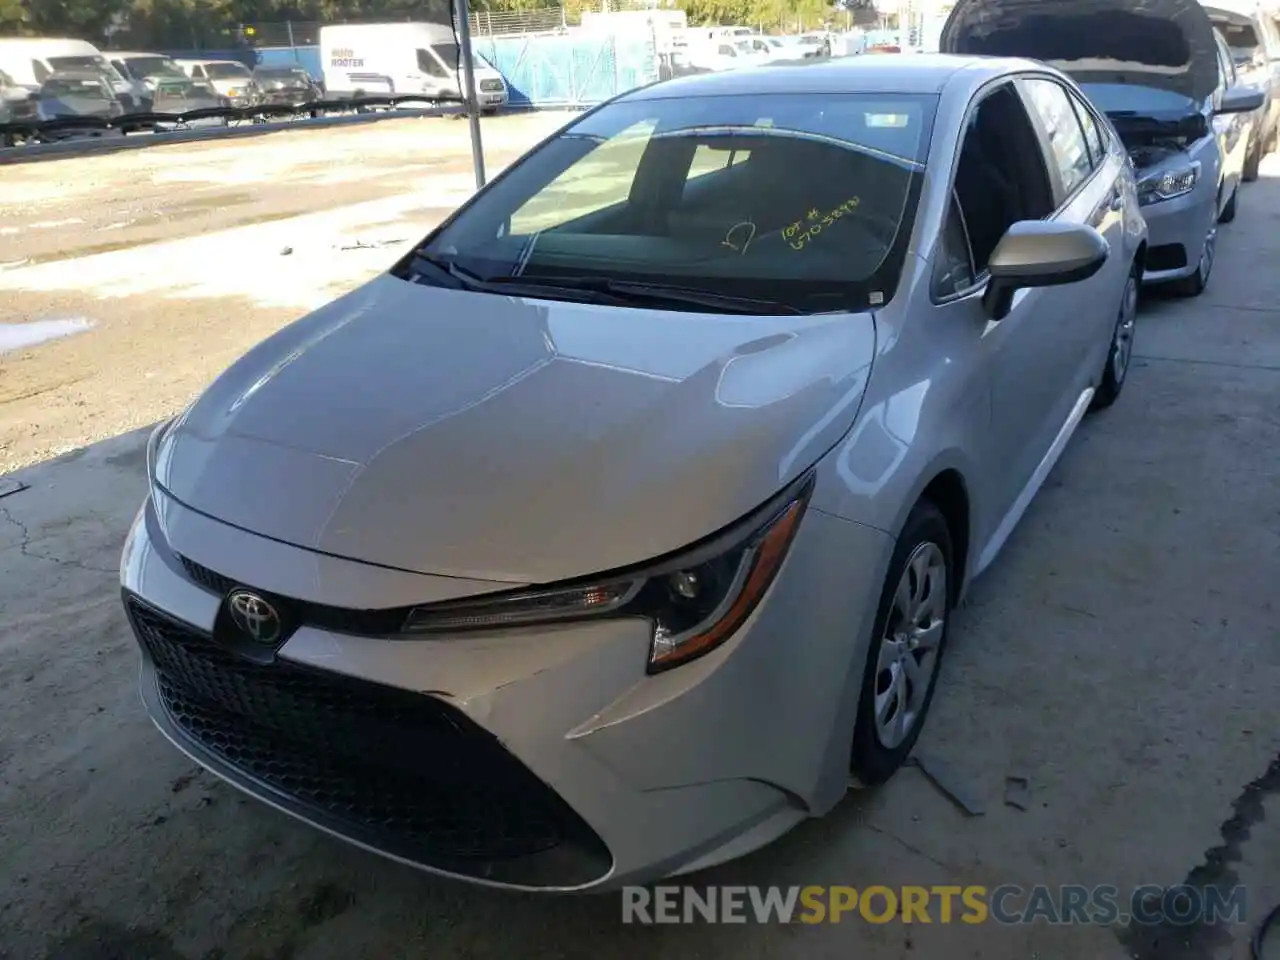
[288, 86]
[169, 89]
[404, 58]
[773, 48]
[1254, 42]
[814, 44]
[16, 105]
[620, 524]
[1155, 68]
[77, 94]
[1234, 131]
[32, 60]
[230, 78]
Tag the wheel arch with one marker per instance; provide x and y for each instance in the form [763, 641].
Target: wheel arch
[948, 492]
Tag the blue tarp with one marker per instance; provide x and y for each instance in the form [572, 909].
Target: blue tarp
[540, 71]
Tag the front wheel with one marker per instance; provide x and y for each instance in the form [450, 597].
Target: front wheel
[1195, 284]
[1229, 211]
[1116, 369]
[1252, 159]
[906, 648]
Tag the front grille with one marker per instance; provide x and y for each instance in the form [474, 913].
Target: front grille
[214, 582]
[491, 86]
[368, 623]
[401, 772]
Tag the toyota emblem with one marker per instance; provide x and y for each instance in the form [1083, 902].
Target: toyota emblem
[256, 618]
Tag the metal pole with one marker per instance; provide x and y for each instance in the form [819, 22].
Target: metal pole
[469, 86]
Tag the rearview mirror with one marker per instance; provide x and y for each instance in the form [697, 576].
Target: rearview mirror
[1242, 99]
[1041, 253]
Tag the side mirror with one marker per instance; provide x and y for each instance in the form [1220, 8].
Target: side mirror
[1041, 253]
[1242, 99]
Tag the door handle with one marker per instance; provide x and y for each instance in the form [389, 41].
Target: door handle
[1117, 200]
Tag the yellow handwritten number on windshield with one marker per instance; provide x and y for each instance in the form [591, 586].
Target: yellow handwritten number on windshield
[801, 233]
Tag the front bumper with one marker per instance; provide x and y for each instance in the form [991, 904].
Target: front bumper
[543, 758]
[1176, 233]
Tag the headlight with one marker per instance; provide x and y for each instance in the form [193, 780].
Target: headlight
[694, 602]
[1170, 184]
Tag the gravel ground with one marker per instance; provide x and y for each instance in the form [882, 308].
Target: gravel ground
[1121, 655]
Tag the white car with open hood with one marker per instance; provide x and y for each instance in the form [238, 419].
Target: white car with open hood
[1163, 78]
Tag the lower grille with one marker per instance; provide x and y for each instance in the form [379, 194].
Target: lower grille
[1167, 256]
[403, 773]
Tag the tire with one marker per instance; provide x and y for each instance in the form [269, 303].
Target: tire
[1195, 284]
[925, 542]
[1252, 160]
[1229, 211]
[1115, 370]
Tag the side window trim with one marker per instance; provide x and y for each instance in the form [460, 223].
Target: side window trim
[1093, 139]
[1046, 149]
[979, 279]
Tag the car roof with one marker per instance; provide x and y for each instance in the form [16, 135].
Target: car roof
[918, 73]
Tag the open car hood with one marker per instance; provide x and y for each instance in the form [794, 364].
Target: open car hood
[1167, 44]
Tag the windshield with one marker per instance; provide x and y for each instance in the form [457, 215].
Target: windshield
[153, 67]
[1132, 100]
[83, 63]
[226, 71]
[1241, 39]
[449, 53]
[803, 199]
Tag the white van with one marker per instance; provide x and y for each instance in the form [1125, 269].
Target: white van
[402, 58]
[31, 60]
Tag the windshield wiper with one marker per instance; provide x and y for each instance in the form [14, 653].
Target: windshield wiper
[633, 291]
[511, 286]
[602, 290]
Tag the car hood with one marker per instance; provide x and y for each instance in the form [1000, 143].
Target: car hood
[498, 438]
[1167, 44]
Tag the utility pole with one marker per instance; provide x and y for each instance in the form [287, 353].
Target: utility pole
[470, 96]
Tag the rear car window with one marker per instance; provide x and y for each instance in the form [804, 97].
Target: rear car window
[806, 199]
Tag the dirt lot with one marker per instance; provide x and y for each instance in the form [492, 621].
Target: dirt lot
[183, 256]
[1122, 655]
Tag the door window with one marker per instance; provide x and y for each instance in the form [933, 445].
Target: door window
[1092, 131]
[429, 65]
[1057, 118]
[1000, 178]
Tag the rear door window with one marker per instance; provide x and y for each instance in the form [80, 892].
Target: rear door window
[1092, 131]
[1052, 110]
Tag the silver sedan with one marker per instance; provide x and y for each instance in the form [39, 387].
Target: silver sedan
[617, 528]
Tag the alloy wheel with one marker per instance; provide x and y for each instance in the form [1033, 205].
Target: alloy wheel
[1122, 344]
[1207, 255]
[908, 656]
